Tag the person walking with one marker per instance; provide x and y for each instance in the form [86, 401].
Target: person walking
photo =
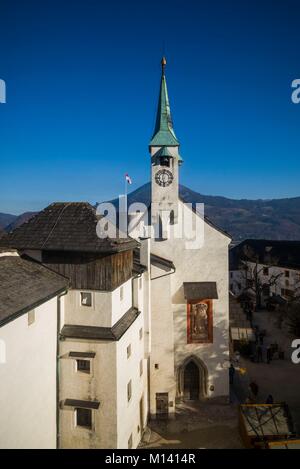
[254, 388]
[259, 354]
[269, 354]
[231, 373]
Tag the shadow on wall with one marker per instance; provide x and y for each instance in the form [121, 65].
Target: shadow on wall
[213, 356]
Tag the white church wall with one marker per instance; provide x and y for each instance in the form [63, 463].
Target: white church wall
[28, 380]
[209, 263]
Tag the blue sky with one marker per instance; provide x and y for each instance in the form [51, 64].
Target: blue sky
[82, 84]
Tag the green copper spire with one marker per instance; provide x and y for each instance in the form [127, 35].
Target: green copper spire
[163, 133]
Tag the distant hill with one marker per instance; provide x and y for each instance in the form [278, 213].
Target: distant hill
[277, 219]
[6, 219]
[18, 220]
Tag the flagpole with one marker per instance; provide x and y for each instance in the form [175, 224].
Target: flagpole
[126, 214]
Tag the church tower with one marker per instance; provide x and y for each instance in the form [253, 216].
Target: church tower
[165, 160]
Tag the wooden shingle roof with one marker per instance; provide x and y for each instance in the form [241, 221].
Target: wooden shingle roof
[25, 284]
[66, 226]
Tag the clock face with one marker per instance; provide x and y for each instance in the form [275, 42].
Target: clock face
[163, 177]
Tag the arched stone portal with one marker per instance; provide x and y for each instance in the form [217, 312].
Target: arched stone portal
[192, 379]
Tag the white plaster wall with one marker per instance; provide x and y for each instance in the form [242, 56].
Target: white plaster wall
[111, 371]
[208, 263]
[28, 381]
[107, 307]
[236, 279]
[162, 342]
[128, 413]
[100, 385]
[291, 283]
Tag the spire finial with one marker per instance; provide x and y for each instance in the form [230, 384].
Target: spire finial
[163, 65]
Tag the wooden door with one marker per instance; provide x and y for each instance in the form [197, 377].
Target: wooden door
[162, 405]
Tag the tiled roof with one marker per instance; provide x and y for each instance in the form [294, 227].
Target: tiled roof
[25, 285]
[267, 252]
[101, 333]
[66, 226]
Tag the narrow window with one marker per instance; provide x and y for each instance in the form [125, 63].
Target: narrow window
[129, 391]
[84, 366]
[287, 273]
[141, 333]
[129, 351]
[31, 317]
[172, 218]
[121, 293]
[266, 270]
[84, 417]
[141, 367]
[86, 299]
[130, 442]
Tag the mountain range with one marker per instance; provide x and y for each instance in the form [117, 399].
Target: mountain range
[276, 219]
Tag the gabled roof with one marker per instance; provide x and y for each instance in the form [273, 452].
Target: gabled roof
[25, 284]
[66, 226]
[266, 252]
[163, 132]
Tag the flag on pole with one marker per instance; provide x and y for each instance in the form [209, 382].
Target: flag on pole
[128, 178]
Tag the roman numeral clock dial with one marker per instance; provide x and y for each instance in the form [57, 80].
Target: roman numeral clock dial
[164, 177]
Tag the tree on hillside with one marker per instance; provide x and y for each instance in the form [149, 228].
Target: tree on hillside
[252, 272]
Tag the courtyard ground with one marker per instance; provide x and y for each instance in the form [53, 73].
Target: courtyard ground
[196, 425]
[213, 426]
[281, 378]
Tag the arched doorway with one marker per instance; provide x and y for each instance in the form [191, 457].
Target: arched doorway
[191, 381]
[192, 378]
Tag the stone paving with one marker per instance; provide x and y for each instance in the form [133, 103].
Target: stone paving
[197, 425]
[281, 378]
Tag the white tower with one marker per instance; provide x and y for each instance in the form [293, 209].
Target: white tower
[165, 160]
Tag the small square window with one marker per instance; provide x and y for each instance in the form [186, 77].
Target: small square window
[129, 351]
[129, 391]
[84, 366]
[84, 417]
[141, 367]
[130, 442]
[121, 293]
[31, 317]
[86, 299]
[141, 333]
[156, 366]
